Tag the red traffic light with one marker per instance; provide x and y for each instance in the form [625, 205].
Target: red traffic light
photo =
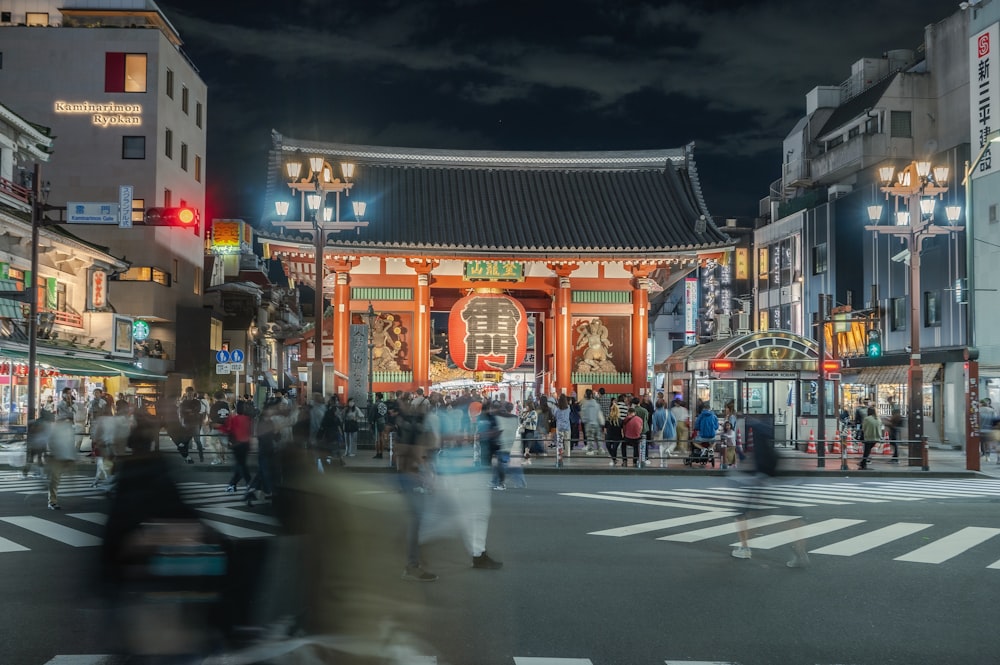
[184, 217]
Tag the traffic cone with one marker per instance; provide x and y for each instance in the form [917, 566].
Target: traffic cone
[836, 446]
[886, 448]
[750, 439]
[850, 441]
[811, 448]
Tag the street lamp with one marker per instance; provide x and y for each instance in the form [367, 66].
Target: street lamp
[314, 190]
[39, 196]
[913, 189]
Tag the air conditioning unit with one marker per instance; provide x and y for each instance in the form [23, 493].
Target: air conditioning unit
[836, 191]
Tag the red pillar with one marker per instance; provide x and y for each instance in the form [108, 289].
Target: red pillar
[420, 350]
[640, 326]
[563, 337]
[342, 328]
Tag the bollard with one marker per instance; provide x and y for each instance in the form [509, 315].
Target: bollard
[843, 452]
[923, 454]
[392, 440]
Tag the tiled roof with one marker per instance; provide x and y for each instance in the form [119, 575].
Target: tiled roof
[520, 203]
[857, 105]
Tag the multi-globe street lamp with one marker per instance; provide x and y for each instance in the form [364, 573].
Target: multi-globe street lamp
[314, 189]
[915, 190]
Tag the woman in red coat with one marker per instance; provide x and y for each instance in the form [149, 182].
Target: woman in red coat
[239, 428]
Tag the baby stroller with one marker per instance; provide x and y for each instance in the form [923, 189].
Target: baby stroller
[702, 453]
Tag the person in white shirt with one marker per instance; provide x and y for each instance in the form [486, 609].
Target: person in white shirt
[683, 430]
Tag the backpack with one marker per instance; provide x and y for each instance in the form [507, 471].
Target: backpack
[382, 410]
[632, 427]
[191, 409]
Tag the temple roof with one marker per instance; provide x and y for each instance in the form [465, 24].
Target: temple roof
[527, 204]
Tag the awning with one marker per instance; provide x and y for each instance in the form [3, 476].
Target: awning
[269, 381]
[72, 365]
[11, 309]
[894, 375]
[134, 372]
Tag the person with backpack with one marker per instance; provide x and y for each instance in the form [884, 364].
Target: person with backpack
[381, 431]
[191, 411]
[664, 430]
[632, 427]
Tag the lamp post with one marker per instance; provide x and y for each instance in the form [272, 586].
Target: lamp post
[913, 189]
[972, 433]
[39, 195]
[314, 190]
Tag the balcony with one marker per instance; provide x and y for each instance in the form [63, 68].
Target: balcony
[15, 195]
[849, 157]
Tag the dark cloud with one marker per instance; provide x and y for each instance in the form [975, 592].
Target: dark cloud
[731, 76]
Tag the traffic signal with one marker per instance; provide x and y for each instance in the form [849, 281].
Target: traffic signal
[874, 343]
[184, 217]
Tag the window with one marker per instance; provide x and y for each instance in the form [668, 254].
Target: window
[133, 147]
[853, 131]
[898, 313]
[145, 274]
[168, 143]
[138, 210]
[168, 197]
[899, 125]
[820, 259]
[197, 114]
[197, 168]
[184, 98]
[932, 309]
[184, 156]
[170, 83]
[32, 19]
[834, 142]
[124, 72]
[5, 17]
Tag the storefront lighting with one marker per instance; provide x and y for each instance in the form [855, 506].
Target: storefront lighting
[720, 365]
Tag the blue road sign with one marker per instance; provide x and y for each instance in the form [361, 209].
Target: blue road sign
[236, 356]
[222, 356]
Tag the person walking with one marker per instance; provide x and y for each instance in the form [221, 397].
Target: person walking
[268, 430]
[317, 409]
[664, 430]
[894, 424]
[727, 440]
[218, 412]
[62, 451]
[238, 430]
[593, 420]
[632, 427]
[191, 412]
[330, 438]
[545, 424]
[613, 431]
[352, 423]
[563, 425]
[871, 430]
[102, 440]
[683, 418]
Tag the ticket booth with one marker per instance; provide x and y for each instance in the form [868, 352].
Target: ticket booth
[768, 378]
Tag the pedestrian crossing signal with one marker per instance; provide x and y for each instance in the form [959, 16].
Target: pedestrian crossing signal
[874, 344]
[184, 217]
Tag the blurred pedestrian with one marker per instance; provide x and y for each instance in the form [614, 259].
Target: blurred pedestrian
[683, 418]
[192, 412]
[613, 430]
[238, 430]
[218, 413]
[563, 426]
[631, 436]
[268, 430]
[38, 433]
[352, 424]
[592, 419]
[62, 451]
[871, 430]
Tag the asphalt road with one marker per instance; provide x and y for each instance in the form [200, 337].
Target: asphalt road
[614, 570]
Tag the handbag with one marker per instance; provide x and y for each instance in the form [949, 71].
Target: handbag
[350, 425]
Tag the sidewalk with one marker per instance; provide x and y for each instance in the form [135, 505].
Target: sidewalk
[943, 462]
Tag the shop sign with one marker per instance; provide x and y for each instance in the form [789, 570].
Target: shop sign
[98, 289]
[742, 263]
[227, 236]
[500, 271]
[488, 332]
[984, 88]
[765, 374]
[140, 330]
[91, 213]
[121, 330]
[106, 115]
[690, 311]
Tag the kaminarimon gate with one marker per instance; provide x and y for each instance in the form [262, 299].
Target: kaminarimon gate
[538, 262]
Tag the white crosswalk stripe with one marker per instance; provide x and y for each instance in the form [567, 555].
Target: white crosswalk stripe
[803, 532]
[728, 528]
[225, 510]
[950, 546]
[871, 540]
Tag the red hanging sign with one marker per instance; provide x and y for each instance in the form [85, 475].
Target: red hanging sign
[487, 332]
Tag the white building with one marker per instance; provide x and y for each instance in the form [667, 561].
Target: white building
[111, 81]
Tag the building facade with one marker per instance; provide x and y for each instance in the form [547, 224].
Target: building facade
[129, 108]
[486, 264]
[816, 236]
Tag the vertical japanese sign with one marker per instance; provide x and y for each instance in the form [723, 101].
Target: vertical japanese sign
[690, 311]
[984, 88]
[98, 290]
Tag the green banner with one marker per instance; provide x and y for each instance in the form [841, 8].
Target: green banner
[504, 271]
[51, 300]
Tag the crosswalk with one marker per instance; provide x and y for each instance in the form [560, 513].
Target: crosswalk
[81, 522]
[711, 514]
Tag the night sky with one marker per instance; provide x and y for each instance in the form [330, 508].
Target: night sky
[545, 75]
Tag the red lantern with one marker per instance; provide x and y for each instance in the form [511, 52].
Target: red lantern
[487, 332]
